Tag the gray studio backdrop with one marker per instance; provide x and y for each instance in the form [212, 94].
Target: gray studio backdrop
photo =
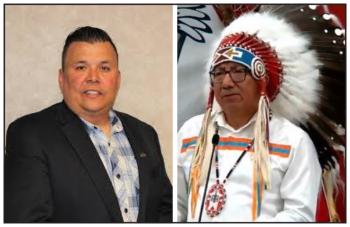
[34, 38]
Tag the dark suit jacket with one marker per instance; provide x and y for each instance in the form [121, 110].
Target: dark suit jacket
[53, 172]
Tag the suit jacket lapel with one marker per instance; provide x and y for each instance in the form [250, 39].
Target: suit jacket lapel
[140, 156]
[74, 131]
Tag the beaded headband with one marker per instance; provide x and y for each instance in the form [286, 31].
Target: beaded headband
[253, 53]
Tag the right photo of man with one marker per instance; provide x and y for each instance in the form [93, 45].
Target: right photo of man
[261, 113]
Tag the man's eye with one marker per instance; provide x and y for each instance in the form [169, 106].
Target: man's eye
[106, 68]
[80, 67]
[238, 71]
[219, 73]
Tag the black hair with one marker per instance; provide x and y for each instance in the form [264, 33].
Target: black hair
[86, 34]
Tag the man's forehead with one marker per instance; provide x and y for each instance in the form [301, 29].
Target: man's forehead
[85, 51]
[90, 45]
[89, 61]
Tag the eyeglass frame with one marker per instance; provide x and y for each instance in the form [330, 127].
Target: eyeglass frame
[232, 70]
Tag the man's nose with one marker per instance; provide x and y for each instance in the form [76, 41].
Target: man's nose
[93, 75]
[227, 81]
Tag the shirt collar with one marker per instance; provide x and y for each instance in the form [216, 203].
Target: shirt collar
[115, 122]
[219, 117]
[113, 119]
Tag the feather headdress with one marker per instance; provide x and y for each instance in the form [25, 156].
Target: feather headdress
[289, 50]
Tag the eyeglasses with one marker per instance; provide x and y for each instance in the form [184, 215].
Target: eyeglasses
[236, 75]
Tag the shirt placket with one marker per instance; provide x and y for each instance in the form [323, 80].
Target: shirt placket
[104, 143]
[119, 181]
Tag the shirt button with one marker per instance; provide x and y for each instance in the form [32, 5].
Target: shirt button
[118, 176]
[126, 210]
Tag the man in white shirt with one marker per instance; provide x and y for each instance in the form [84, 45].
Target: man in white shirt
[242, 161]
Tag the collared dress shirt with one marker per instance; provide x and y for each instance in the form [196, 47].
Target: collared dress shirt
[295, 173]
[120, 163]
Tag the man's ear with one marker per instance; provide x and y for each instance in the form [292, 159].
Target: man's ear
[119, 78]
[61, 79]
[119, 75]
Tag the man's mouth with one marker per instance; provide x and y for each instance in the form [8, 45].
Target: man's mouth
[92, 92]
[229, 95]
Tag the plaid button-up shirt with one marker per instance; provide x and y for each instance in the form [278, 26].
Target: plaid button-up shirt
[120, 163]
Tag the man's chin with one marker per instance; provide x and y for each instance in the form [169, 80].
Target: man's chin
[232, 103]
[231, 106]
[96, 110]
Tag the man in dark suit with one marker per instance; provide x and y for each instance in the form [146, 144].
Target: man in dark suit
[79, 160]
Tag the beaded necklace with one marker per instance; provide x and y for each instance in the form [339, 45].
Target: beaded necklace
[216, 198]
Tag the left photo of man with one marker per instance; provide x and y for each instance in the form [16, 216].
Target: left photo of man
[88, 113]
